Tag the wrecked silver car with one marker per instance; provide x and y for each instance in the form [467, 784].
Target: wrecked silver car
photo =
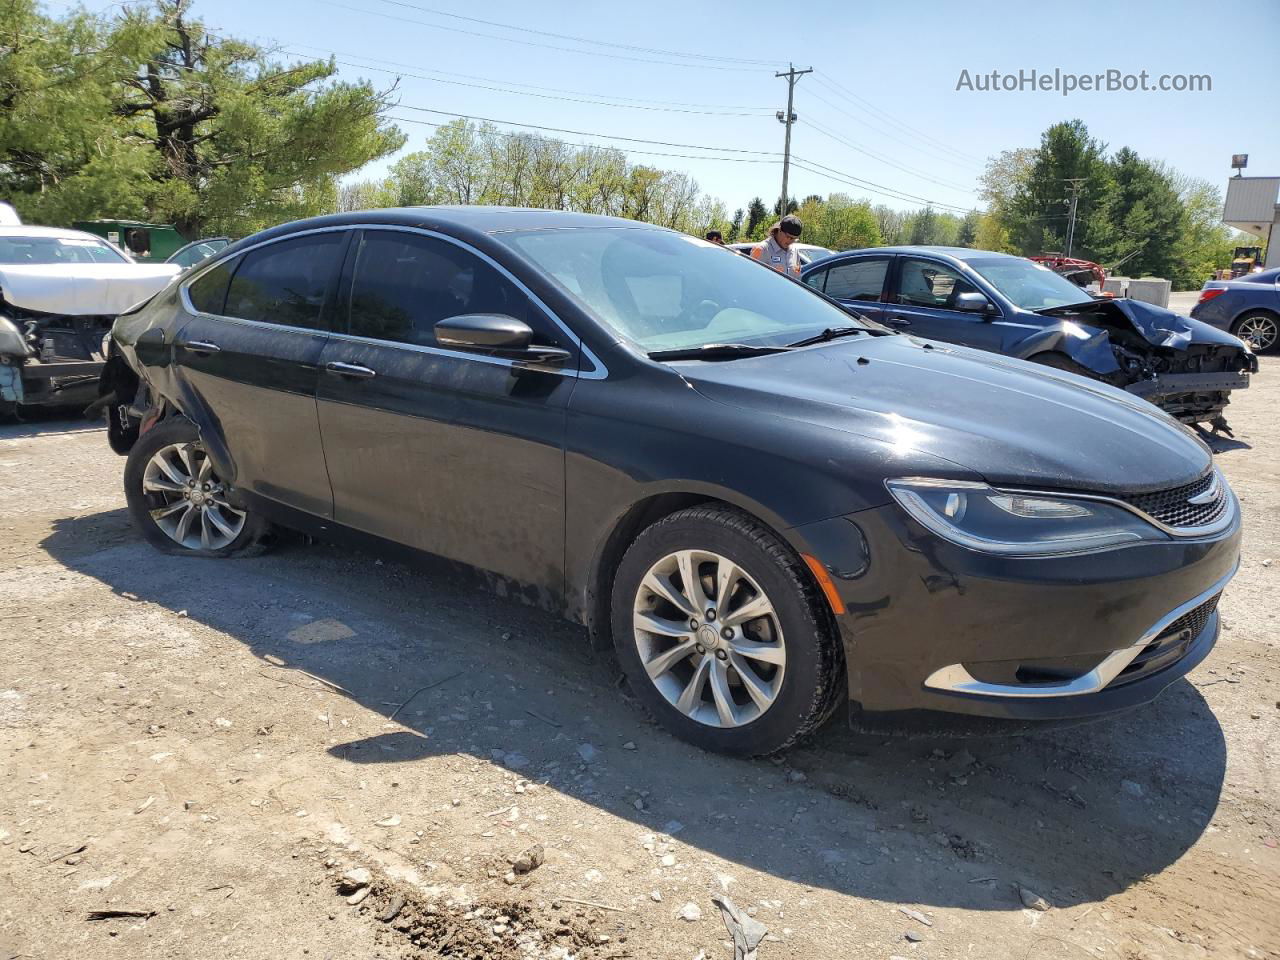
[60, 290]
[1010, 305]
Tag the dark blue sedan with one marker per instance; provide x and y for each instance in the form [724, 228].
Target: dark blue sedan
[1248, 306]
[1016, 307]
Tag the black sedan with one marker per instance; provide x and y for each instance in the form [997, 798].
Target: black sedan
[1014, 306]
[764, 506]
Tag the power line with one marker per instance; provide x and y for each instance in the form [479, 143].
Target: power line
[530, 86]
[891, 135]
[597, 146]
[529, 93]
[820, 128]
[586, 133]
[535, 43]
[881, 188]
[842, 91]
[564, 36]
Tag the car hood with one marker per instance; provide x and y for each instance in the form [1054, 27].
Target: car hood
[83, 289]
[1008, 421]
[1158, 326]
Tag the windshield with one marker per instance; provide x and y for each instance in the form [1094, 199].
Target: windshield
[45, 250]
[1029, 285]
[668, 291]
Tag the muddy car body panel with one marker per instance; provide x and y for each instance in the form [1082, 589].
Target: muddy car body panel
[60, 290]
[543, 474]
[1011, 306]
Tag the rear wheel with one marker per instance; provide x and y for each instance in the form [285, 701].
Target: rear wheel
[178, 500]
[722, 634]
[1260, 330]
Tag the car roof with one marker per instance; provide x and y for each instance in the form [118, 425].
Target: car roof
[29, 231]
[958, 253]
[475, 218]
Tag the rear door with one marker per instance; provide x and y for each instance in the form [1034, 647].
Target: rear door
[250, 357]
[858, 283]
[455, 453]
[923, 302]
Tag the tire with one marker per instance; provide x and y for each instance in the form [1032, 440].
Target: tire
[1260, 329]
[794, 653]
[215, 526]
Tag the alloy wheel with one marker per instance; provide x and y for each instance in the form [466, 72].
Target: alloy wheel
[1260, 332]
[188, 501]
[709, 638]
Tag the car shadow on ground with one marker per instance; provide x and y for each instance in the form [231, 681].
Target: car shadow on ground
[1075, 814]
[45, 423]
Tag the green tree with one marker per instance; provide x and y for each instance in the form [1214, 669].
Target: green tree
[924, 227]
[735, 226]
[148, 115]
[1138, 211]
[1036, 217]
[968, 231]
[756, 215]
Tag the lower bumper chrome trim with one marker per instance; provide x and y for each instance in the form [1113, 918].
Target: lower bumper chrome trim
[957, 679]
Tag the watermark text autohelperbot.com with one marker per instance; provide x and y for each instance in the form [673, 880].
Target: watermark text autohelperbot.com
[1066, 83]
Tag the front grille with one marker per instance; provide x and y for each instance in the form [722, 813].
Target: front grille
[1171, 645]
[1171, 508]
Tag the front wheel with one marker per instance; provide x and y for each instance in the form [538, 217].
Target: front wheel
[723, 635]
[1260, 330]
[178, 500]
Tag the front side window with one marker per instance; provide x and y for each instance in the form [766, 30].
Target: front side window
[926, 283]
[1028, 284]
[53, 250]
[404, 283]
[857, 279]
[285, 282]
[667, 291]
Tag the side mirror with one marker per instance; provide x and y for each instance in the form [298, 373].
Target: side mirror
[974, 302]
[496, 335]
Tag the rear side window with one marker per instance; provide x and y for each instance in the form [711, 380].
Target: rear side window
[209, 293]
[857, 280]
[404, 283]
[817, 279]
[285, 282]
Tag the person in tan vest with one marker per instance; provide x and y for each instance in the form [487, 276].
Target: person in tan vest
[775, 250]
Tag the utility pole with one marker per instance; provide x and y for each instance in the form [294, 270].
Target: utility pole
[1075, 183]
[787, 120]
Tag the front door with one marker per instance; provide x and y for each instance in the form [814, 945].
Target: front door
[924, 304]
[250, 355]
[458, 454]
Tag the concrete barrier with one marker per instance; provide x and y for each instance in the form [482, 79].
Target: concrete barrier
[1148, 289]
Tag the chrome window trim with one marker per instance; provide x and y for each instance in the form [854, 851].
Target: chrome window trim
[600, 372]
[955, 678]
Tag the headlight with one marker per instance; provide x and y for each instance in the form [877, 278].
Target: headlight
[979, 517]
[12, 342]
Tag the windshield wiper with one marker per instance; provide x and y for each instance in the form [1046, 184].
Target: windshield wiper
[716, 351]
[832, 333]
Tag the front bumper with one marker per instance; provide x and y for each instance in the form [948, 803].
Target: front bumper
[931, 626]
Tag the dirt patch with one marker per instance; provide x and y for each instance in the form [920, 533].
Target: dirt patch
[212, 733]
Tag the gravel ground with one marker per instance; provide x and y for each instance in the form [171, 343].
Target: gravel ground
[212, 743]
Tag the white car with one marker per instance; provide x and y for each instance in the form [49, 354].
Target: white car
[60, 290]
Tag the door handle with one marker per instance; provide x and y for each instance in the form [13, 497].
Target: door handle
[899, 321]
[349, 370]
[200, 346]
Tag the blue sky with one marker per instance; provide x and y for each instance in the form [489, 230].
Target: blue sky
[886, 80]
